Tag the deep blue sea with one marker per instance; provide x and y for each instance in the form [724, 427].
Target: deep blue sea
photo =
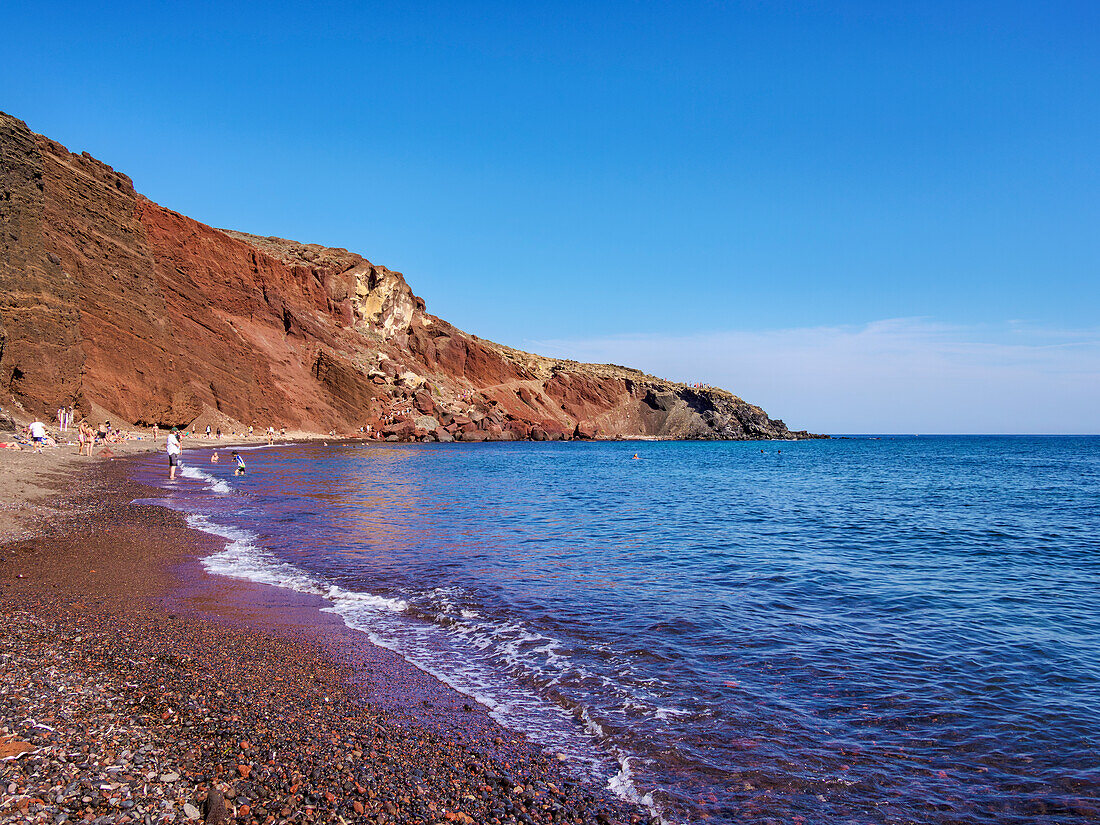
[854, 630]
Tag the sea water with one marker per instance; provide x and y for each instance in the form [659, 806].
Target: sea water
[866, 629]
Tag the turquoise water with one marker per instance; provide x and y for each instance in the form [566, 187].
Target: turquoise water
[890, 630]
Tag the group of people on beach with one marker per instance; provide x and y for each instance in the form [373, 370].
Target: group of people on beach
[36, 435]
[174, 448]
[65, 418]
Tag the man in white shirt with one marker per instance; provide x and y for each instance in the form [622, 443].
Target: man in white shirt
[175, 450]
[38, 434]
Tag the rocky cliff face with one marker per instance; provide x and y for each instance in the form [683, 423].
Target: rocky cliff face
[122, 307]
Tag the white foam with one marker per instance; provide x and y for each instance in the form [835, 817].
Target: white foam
[664, 713]
[622, 785]
[213, 483]
[243, 559]
[523, 652]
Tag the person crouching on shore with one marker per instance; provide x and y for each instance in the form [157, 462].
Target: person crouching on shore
[174, 450]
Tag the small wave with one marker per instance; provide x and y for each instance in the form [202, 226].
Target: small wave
[511, 642]
[242, 558]
[622, 785]
[213, 483]
[665, 713]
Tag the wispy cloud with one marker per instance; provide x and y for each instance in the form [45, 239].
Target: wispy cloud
[893, 375]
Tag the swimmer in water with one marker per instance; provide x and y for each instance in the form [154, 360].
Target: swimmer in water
[635, 455]
[240, 464]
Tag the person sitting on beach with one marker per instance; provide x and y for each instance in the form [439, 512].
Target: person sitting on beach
[174, 450]
[214, 457]
[239, 471]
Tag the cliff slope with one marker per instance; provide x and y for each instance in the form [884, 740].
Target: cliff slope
[122, 307]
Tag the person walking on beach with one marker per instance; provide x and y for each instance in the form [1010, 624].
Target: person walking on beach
[37, 432]
[174, 450]
[156, 432]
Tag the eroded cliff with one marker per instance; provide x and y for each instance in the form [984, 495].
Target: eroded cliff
[122, 307]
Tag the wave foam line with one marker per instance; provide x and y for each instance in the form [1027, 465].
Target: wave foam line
[213, 483]
[243, 559]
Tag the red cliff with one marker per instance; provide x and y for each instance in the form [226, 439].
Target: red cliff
[122, 307]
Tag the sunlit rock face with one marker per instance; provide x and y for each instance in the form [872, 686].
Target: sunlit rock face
[124, 308]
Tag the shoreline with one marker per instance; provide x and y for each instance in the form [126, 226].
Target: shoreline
[286, 712]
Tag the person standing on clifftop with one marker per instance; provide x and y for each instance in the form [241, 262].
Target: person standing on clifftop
[174, 450]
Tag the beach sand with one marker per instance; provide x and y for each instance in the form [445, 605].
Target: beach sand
[135, 686]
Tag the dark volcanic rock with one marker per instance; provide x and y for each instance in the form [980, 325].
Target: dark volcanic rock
[401, 429]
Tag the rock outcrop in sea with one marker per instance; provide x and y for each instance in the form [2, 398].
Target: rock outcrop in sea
[129, 310]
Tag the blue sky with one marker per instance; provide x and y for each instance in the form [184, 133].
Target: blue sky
[725, 192]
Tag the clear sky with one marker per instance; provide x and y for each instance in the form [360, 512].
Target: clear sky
[864, 216]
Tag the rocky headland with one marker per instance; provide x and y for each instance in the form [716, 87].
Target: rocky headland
[131, 311]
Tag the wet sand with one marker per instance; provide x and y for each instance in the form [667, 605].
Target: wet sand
[133, 686]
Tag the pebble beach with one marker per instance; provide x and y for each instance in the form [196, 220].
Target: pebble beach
[134, 687]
